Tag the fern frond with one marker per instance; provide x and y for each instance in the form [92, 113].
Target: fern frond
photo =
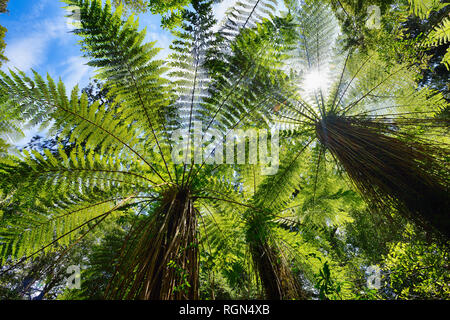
[276, 191]
[132, 75]
[89, 124]
[247, 77]
[423, 8]
[246, 14]
[30, 231]
[440, 36]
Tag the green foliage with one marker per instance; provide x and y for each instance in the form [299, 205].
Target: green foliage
[2, 44]
[246, 74]
[171, 10]
[423, 8]
[441, 36]
[409, 31]
[353, 154]
[102, 249]
[357, 90]
[7, 118]
[3, 5]
[417, 270]
[325, 283]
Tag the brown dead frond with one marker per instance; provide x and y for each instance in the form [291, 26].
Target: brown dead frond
[163, 261]
[392, 169]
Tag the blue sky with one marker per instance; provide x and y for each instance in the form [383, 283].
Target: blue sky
[39, 38]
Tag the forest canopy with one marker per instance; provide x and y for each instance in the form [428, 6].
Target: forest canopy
[295, 150]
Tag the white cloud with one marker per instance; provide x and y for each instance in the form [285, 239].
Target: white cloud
[76, 72]
[163, 41]
[221, 8]
[25, 53]
[31, 50]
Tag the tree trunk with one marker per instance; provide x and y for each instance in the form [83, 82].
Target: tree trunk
[163, 264]
[391, 169]
[277, 278]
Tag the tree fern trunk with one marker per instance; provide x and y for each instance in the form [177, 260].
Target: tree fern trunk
[277, 278]
[164, 264]
[391, 169]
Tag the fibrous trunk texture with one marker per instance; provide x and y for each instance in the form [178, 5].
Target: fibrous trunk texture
[392, 169]
[272, 267]
[163, 264]
[277, 278]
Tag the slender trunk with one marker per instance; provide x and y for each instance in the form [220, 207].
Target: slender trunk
[277, 278]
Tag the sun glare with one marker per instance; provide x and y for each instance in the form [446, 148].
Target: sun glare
[315, 80]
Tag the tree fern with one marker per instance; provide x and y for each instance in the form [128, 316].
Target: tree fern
[122, 154]
[386, 103]
[281, 234]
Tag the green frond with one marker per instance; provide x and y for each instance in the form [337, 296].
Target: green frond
[190, 77]
[247, 76]
[440, 36]
[24, 232]
[318, 29]
[423, 8]
[45, 102]
[276, 190]
[57, 179]
[246, 14]
[134, 78]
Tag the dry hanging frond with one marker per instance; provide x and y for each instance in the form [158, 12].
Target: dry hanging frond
[390, 168]
[163, 263]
